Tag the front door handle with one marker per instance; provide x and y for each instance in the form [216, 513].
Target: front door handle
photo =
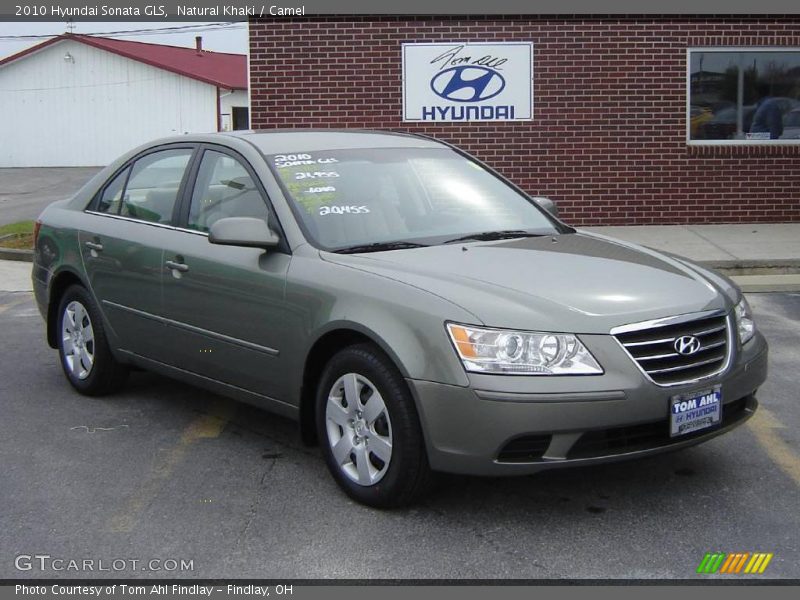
[97, 247]
[176, 266]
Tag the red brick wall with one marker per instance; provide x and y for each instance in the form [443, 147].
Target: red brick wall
[608, 137]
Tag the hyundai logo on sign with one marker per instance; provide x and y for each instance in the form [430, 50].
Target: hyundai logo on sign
[467, 84]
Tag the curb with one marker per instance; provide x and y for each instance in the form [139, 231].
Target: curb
[15, 254]
[772, 266]
[768, 283]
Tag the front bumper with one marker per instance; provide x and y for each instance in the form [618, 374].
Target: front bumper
[506, 425]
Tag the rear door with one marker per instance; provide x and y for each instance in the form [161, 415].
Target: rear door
[226, 304]
[125, 230]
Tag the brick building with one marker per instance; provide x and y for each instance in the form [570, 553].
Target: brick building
[635, 120]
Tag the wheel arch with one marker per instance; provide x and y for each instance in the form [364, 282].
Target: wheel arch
[59, 283]
[321, 350]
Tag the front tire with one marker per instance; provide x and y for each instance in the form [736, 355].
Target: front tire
[83, 347]
[369, 429]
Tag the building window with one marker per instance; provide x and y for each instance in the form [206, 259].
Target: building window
[743, 96]
[241, 117]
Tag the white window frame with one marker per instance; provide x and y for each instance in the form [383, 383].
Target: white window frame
[742, 142]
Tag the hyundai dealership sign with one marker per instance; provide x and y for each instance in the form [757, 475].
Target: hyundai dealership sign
[468, 82]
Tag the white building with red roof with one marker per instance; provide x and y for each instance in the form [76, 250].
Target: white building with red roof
[78, 100]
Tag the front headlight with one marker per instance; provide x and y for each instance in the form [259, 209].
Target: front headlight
[521, 352]
[745, 325]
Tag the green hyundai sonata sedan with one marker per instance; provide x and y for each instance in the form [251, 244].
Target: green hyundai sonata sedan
[411, 308]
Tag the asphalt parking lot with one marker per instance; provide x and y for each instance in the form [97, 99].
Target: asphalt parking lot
[24, 193]
[165, 471]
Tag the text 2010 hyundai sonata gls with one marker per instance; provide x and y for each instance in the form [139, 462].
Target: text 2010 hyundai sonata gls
[411, 308]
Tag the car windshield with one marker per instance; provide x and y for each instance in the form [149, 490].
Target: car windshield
[394, 198]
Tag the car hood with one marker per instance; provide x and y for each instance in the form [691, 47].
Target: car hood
[579, 282]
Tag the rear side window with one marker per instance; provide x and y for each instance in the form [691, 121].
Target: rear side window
[224, 188]
[152, 188]
[111, 199]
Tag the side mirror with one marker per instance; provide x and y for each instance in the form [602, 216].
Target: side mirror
[547, 204]
[243, 231]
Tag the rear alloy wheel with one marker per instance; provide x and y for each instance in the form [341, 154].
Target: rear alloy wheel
[85, 356]
[369, 429]
[77, 340]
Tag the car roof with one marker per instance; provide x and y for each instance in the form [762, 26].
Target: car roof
[282, 141]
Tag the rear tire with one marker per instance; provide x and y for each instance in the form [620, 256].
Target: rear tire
[83, 347]
[369, 429]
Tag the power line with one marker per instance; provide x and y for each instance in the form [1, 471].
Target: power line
[153, 31]
[138, 32]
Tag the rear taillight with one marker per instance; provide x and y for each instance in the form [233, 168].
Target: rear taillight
[36, 227]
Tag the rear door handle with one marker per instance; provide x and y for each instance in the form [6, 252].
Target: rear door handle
[94, 246]
[176, 266]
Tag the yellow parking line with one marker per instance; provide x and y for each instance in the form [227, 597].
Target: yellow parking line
[208, 426]
[763, 425]
[203, 427]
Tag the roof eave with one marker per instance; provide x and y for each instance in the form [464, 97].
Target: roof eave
[89, 42]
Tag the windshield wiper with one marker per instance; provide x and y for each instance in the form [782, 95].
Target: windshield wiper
[379, 247]
[487, 236]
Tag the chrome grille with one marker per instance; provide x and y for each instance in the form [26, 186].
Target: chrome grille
[652, 346]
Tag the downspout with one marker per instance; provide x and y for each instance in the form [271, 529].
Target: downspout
[219, 111]
[249, 82]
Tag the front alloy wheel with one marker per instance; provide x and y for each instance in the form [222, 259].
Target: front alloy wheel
[359, 429]
[369, 429]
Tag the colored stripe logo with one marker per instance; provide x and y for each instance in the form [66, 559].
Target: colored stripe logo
[735, 563]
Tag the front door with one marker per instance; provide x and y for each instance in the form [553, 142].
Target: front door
[226, 304]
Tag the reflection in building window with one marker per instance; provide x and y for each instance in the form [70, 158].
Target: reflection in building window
[744, 96]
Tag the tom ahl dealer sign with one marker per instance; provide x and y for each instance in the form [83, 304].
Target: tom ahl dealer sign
[468, 82]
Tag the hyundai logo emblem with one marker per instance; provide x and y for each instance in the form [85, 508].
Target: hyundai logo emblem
[467, 83]
[686, 345]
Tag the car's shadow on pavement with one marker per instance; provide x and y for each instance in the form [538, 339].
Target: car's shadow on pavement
[634, 487]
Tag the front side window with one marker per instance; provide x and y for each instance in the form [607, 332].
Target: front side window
[744, 96]
[350, 198]
[153, 185]
[224, 188]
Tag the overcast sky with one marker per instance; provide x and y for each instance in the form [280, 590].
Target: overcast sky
[232, 38]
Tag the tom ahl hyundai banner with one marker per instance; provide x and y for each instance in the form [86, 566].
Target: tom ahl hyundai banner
[468, 82]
